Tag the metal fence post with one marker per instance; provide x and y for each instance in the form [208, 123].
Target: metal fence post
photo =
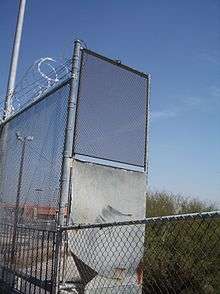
[68, 145]
[57, 262]
[147, 127]
[66, 165]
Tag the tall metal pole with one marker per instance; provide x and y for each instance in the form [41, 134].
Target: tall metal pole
[11, 87]
[14, 60]
[67, 160]
[68, 145]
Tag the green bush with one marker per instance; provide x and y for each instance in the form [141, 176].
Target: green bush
[181, 256]
[164, 203]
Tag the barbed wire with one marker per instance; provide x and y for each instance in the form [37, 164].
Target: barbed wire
[37, 80]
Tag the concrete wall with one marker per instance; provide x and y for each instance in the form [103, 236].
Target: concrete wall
[97, 189]
[106, 194]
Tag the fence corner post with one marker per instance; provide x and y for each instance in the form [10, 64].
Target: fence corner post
[69, 133]
[66, 164]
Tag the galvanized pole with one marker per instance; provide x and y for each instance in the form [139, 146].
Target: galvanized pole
[147, 128]
[68, 145]
[67, 161]
[14, 60]
[11, 86]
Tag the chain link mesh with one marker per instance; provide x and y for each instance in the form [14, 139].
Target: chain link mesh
[31, 158]
[111, 112]
[173, 255]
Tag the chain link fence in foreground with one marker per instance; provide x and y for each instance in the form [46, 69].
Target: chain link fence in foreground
[175, 254]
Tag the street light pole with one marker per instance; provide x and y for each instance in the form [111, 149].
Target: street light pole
[24, 141]
[14, 60]
[11, 86]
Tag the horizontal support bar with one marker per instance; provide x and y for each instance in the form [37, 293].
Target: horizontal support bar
[110, 163]
[31, 103]
[43, 284]
[150, 220]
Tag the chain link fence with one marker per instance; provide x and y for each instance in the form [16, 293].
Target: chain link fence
[31, 157]
[176, 254]
[28, 261]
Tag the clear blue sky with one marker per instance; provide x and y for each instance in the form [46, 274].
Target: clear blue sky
[178, 42]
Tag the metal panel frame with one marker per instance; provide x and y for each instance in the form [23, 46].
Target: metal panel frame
[107, 162]
[104, 161]
[115, 62]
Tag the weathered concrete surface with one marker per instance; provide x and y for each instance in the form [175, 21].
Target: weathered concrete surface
[105, 194]
[97, 189]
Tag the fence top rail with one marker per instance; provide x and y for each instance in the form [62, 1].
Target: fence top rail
[149, 220]
[117, 63]
[29, 104]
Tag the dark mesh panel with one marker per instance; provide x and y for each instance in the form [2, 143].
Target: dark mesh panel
[111, 114]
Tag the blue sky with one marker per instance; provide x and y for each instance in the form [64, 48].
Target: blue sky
[178, 42]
